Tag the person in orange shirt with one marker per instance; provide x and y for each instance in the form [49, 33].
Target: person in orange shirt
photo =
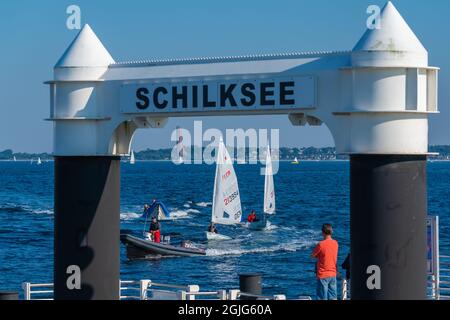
[326, 253]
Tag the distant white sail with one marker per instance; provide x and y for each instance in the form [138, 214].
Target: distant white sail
[39, 161]
[269, 187]
[14, 158]
[226, 208]
[132, 158]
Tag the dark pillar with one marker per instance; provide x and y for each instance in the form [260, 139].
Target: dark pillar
[87, 226]
[388, 225]
[250, 283]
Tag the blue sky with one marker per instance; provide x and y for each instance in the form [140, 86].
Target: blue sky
[33, 36]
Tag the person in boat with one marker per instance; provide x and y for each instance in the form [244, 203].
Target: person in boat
[212, 228]
[146, 210]
[155, 230]
[252, 217]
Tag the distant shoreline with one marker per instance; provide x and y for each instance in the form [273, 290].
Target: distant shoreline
[284, 154]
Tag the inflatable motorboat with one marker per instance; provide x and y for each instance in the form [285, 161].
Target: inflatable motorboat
[138, 248]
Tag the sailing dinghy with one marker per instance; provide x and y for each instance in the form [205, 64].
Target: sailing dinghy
[226, 207]
[132, 158]
[269, 196]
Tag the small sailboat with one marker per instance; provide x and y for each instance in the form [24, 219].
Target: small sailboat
[132, 158]
[269, 196]
[39, 162]
[226, 207]
[295, 161]
[14, 159]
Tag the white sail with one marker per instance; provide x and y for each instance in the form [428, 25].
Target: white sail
[132, 158]
[226, 208]
[39, 161]
[269, 187]
[14, 158]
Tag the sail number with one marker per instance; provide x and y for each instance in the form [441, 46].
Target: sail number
[230, 198]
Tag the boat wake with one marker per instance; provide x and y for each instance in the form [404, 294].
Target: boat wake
[43, 211]
[179, 214]
[10, 208]
[269, 226]
[287, 247]
[127, 216]
[18, 208]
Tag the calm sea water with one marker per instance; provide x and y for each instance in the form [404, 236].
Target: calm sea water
[308, 195]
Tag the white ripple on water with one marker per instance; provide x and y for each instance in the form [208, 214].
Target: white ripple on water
[179, 214]
[291, 246]
[126, 216]
[175, 213]
[43, 211]
[204, 204]
[269, 226]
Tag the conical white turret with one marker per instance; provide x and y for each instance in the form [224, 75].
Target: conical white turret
[393, 44]
[87, 53]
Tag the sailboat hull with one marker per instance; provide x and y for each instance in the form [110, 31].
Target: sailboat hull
[258, 225]
[211, 236]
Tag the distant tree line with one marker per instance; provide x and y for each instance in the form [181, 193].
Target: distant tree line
[310, 153]
[9, 155]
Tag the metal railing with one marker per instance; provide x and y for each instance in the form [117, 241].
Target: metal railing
[237, 294]
[442, 284]
[44, 291]
[204, 295]
[129, 290]
[149, 290]
[345, 289]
